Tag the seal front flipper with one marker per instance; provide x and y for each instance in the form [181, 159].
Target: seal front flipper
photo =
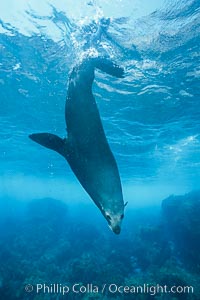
[50, 141]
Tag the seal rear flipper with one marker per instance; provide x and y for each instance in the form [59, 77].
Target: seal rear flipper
[109, 67]
[50, 141]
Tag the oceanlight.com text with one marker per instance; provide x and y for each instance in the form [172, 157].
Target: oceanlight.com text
[77, 288]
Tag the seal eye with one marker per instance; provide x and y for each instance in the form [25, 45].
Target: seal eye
[108, 217]
[122, 216]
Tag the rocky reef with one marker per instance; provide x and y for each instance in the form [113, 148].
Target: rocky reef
[182, 222]
[48, 244]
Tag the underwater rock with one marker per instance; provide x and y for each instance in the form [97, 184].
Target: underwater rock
[182, 222]
[49, 244]
[151, 247]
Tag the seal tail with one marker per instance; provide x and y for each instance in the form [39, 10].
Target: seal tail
[109, 67]
[50, 141]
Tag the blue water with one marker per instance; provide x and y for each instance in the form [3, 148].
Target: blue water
[151, 119]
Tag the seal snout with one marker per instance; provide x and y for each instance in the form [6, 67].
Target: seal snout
[114, 223]
[116, 229]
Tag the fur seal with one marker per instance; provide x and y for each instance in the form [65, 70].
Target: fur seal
[86, 148]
